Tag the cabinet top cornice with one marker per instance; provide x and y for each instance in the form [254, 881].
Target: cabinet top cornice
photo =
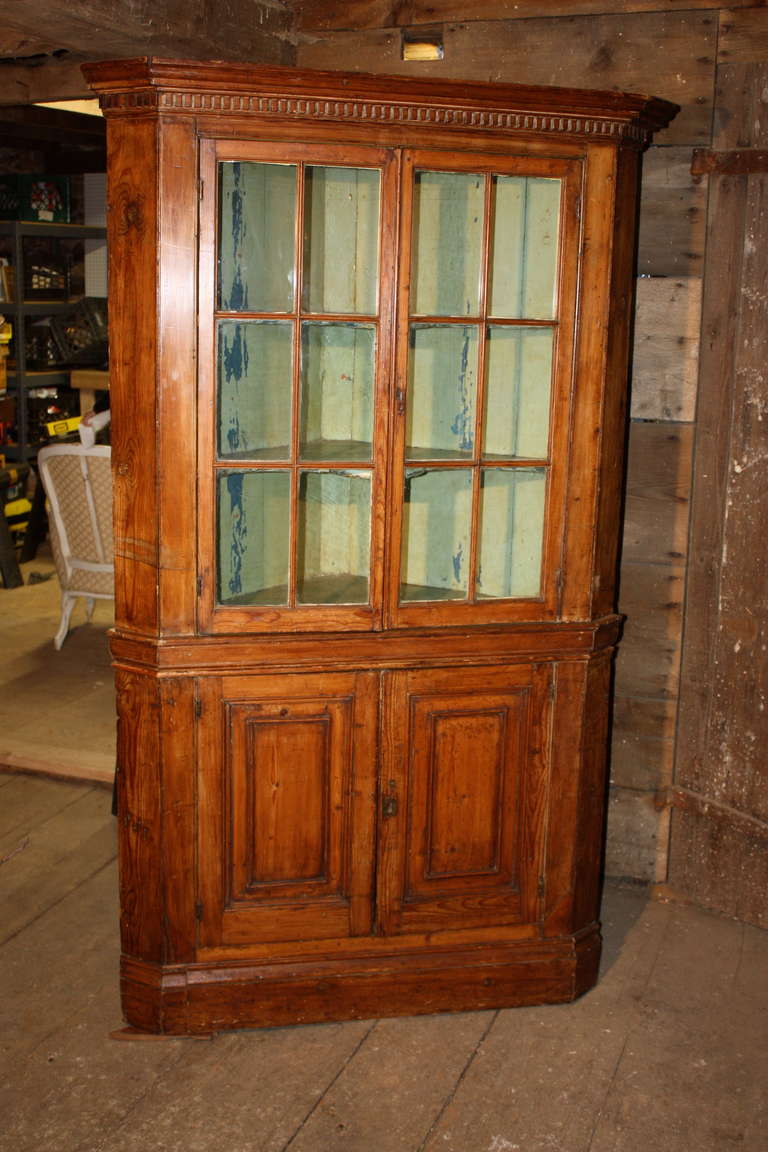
[185, 86]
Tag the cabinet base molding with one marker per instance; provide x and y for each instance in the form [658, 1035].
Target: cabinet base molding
[199, 999]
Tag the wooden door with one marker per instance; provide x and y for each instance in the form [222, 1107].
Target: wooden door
[295, 283]
[463, 797]
[286, 802]
[487, 296]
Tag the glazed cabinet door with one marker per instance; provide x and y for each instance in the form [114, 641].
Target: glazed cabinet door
[487, 297]
[286, 800]
[295, 286]
[463, 797]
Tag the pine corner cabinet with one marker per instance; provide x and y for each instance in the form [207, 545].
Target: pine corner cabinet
[368, 356]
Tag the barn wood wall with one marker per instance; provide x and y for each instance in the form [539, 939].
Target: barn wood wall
[686, 54]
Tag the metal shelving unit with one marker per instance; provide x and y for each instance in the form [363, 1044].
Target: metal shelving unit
[21, 379]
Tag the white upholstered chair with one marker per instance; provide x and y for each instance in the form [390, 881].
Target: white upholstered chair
[78, 485]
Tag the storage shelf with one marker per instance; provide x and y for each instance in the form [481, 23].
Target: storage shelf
[62, 231]
[22, 379]
[49, 378]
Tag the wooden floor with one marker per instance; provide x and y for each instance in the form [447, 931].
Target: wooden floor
[668, 1053]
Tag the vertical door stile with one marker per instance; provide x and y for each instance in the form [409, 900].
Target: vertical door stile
[386, 377]
[206, 388]
[474, 533]
[298, 264]
[400, 328]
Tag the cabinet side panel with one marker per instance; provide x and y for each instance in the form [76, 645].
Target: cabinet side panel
[592, 793]
[590, 368]
[176, 384]
[577, 806]
[613, 424]
[139, 816]
[132, 237]
[567, 724]
[178, 818]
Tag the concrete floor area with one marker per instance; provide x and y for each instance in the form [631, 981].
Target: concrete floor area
[57, 709]
[669, 1053]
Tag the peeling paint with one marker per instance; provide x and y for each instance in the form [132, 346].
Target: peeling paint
[238, 297]
[462, 425]
[234, 360]
[456, 560]
[238, 542]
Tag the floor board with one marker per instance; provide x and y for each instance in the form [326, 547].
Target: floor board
[668, 1053]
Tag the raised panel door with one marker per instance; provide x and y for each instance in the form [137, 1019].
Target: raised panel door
[464, 787]
[287, 793]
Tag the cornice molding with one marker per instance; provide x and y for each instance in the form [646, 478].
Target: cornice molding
[169, 87]
[375, 111]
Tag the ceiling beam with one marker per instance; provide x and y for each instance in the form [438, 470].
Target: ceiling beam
[49, 79]
[232, 28]
[335, 15]
[258, 31]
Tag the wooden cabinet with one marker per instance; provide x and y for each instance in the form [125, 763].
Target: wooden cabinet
[369, 344]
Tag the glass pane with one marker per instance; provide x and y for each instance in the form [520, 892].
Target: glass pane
[447, 243]
[253, 507]
[334, 542]
[511, 532]
[254, 375]
[341, 240]
[337, 374]
[442, 391]
[518, 379]
[436, 520]
[257, 237]
[524, 258]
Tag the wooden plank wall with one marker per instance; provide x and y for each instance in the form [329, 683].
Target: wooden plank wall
[719, 845]
[674, 54]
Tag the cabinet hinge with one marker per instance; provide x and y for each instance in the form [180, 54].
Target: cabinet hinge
[202, 189]
[198, 707]
[199, 910]
[200, 584]
[542, 887]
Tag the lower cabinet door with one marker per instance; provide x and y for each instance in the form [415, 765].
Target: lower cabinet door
[463, 797]
[286, 807]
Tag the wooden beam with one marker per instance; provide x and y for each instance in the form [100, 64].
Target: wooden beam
[56, 79]
[334, 15]
[740, 162]
[194, 29]
[719, 856]
[722, 721]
